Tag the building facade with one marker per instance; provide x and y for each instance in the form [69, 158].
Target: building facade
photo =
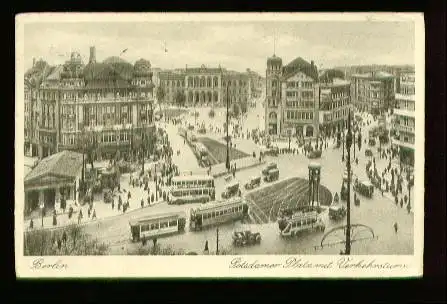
[205, 86]
[373, 92]
[291, 107]
[334, 105]
[404, 118]
[106, 105]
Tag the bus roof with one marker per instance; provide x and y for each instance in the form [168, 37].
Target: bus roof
[157, 216]
[192, 177]
[217, 204]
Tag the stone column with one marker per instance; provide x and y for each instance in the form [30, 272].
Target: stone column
[41, 197]
[40, 151]
[57, 201]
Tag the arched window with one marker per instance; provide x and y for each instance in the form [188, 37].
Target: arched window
[272, 115]
[208, 82]
[216, 81]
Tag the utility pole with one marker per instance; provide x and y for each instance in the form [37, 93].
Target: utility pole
[217, 241]
[227, 163]
[348, 201]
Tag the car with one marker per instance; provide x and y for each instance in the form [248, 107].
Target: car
[253, 182]
[247, 237]
[314, 154]
[269, 167]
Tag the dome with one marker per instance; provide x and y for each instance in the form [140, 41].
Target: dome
[114, 59]
[142, 68]
[274, 60]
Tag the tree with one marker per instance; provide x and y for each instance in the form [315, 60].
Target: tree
[160, 94]
[46, 242]
[180, 98]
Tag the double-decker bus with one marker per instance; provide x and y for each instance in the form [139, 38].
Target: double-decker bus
[300, 222]
[192, 189]
[218, 213]
[156, 225]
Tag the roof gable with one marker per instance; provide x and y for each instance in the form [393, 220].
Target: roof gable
[65, 164]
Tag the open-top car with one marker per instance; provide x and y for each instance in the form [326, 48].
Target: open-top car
[253, 182]
[247, 237]
[337, 211]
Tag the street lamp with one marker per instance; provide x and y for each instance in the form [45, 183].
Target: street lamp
[348, 200]
[42, 209]
[227, 163]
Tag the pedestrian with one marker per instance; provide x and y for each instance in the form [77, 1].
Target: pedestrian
[142, 203]
[401, 202]
[54, 220]
[80, 216]
[31, 224]
[395, 227]
[89, 211]
[206, 250]
[70, 212]
[94, 214]
[128, 195]
[113, 203]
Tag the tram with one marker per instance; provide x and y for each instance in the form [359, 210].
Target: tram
[156, 225]
[218, 213]
[301, 222]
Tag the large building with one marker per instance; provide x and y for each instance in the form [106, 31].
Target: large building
[291, 107]
[373, 92]
[404, 118]
[334, 105]
[106, 105]
[204, 86]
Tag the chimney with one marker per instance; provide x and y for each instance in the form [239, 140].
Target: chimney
[34, 62]
[92, 55]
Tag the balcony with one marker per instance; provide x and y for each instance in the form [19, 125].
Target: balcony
[404, 112]
[401, 143]
[403, 128]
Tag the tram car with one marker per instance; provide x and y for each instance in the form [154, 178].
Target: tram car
[301, 222]
[217, 213]
[157, 225]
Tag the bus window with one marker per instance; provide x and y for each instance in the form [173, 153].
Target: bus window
[164, 225]
[172, 223]
[144, 228]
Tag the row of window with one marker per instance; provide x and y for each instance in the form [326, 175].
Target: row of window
[193, 183]
[303, 95]
[192, 192]
[300, 104]
[407, 90]
[406, 105]
[299, 115]
[106, 137]
[53, 95]
[326, 106]
[213, 214]
[157, 226]
[299, 84]
[307, 221]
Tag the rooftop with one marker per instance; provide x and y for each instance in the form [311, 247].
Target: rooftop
[65, 164]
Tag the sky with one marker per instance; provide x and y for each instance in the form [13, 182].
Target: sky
[233, 45]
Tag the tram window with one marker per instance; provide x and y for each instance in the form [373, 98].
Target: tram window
[144, 228]
[164, 225]
[173, 223]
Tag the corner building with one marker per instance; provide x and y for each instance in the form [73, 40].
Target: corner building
[404, 119]
[108, 104]
[291, 98]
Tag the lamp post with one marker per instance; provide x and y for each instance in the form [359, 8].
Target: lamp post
[42, 209]
[348, 200]
[343, 142]
[227, 163]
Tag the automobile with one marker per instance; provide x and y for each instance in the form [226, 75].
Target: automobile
[368, 153]
[314, 154]
[231, 190]
[253, 182]
[272, 175]
[272, 151]
[337, 211]
[364, 188]
[269, 167]
[247, 237]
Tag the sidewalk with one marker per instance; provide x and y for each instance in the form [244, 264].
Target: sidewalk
[103, 210]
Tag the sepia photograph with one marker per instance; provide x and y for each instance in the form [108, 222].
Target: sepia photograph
[264, 141]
